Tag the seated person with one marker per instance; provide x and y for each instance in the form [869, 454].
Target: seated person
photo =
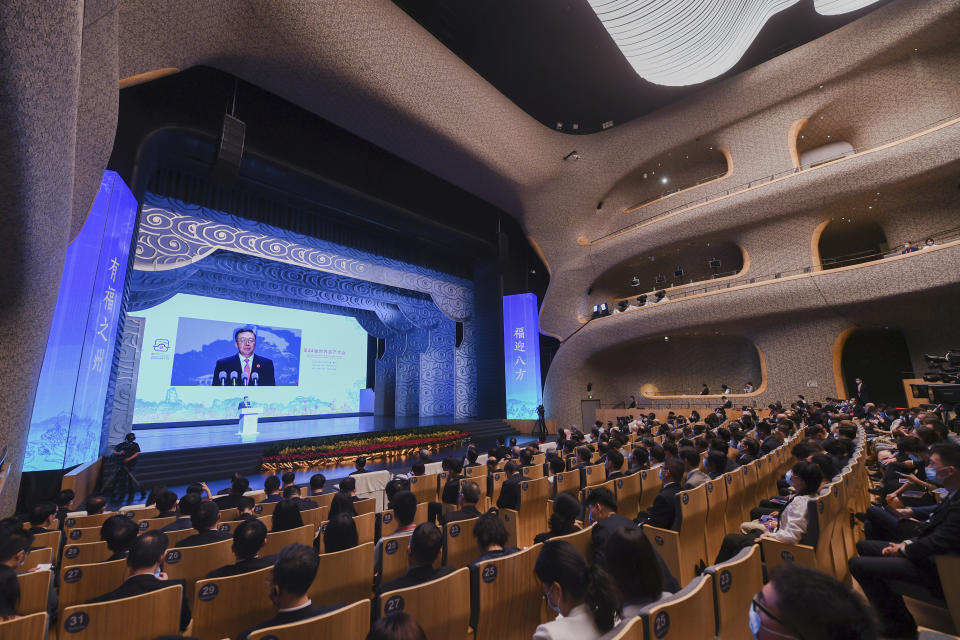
[790, 524]
[340, 534]
[248, 539]
[349, 486]
[749, 451]
[293, 493]
[468, 500]
[15, 543]
[663, 511]
[286, 516]
[272, 488]
[636, 568]
[395, 486]
[43, 518]
[423, 549]
[342, 503]
[317, 481]
[288, 584]
[405, 511]
[9, 594]
[166, 504]
[396, 626]
[245, 507]
[639, 461]
[694, 476]
[510, 489]
[95, 505]
[491, 536]
[585, 597]
[361, 465]
[471, 457]
[564, 520]
[238, 487]
[716, 464]
[613, 463]
[144, 575]
[185, 508]
[289, 479]
[64, 503]
[554, 466]
[118, 532]
[418, 468]
[205, 519]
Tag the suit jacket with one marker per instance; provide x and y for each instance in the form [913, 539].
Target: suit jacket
[287, 617]
[602, 531]
[769, 444]
[940, 536]
[731, 465]
[205, 537]
[166, 514]
[178, 525]
[139, 585]
[466, 513]
[243, 566]
[695, 478]
[614, 475]
[510, 493]
[664, 510]
[305, 504]
[491, 555]
[415, 576]
[451, 491]
[273, 498]
[263, 367]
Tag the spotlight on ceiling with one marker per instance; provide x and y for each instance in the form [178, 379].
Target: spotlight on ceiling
[663, 179]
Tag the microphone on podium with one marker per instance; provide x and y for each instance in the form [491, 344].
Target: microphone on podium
[223, 378]
[256, 378]
[233, 378]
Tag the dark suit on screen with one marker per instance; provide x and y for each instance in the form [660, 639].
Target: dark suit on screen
[263, 367]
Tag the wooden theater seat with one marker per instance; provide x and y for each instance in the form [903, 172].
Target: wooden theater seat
[344, 576]
[314, 517]
[582, 540]
[141, 513]
[277, 540]
[631, 629]
[505, 597]
[37, 557]
[532, 472]
[142, 617]
[649, 487]
[34, 591]
[83, 582]
[214, 605]
[365, 506]
[594, 474]
[813, 549]
[72, 522]
[498, 478]
[683, 548]
[459, 546]
[735, 583]
[49, 539]
[389, 522]
[424, 487]
[392, 552]
[152, 524]
[531, 517]
[441, 607]
[174, 537]
[347, 623]
[950, 566]
[32, 627]
[734, 513]
[628, 493]
[82, 534]
[686, 615]
[749, 499]
[193, 563]
[567, 482]
[264, 508]
[86, 553]
[716, 525]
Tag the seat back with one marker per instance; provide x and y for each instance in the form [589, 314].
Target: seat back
[347, 623]
[735, 582]
[594, 474]
[32, 627]
[365, 506]
[264, 508]
[671, 617]
[83, 582]
[650, 485]
[505, 597]
[152, 524]
[475, 472]
[214, 605]
[441, 607]
[49, 539]
[142, 617]
[175, 536]
[393, 556]
[86, 553]
[582, 540]
[277, 540]
[459, 547]
[34, 591]
[143, 513]
[353, 569]
[950, 566]
[748, 491]
[498, 478]
[533, 472]
[37, 557]
[314, 517]
[567, 482]
[82, 534]
[424, 487]
[73, 522]
[631, 629]
[628, 493]
[192, 563]
[533, 509]
[716, 526]
[389, 522]
[733, 517]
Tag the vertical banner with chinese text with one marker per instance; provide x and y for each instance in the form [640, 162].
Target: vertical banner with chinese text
[521, 354]
[68, 408]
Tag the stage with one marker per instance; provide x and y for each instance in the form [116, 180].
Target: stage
[177, 438]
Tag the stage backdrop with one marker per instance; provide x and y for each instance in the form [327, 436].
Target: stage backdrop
[521, 356]
[68, 409]
[316, 361]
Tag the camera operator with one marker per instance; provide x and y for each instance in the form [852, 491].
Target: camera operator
[126, 454]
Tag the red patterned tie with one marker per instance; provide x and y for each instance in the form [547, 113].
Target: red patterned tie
[246, 370]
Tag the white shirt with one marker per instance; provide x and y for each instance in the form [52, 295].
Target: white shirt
[578, 625]
[793, 521]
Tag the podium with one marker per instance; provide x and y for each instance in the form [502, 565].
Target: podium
[248, 423]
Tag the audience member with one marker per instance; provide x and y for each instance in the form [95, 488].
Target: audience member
[636, 568]
[694, 476]
[64, 503]
[272, 488]
[613, 463]
[348, 486]
[468, 500]
[564, 520]
[510, 489]
[248, 539]
[43, 518]
[361, 465]
[396, 626]
[245, 507]
[185, 508]
[423, 549]
[491, 536]
[205, 519]
[663, 511]
[118, 532]
[166, 504]
[342, 503]
[95, 505]
[238, 487]
[340, 534]
[286, 515]
[317, 481]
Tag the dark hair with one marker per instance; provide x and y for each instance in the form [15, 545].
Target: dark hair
[9, 592]
[288, 477]
[471, 492]
[271, 484]
[720, 445]
[286, 516]
[395, 486]
[560, 562]
[340, 534]
[640, 457]
[194, 487]
[65, 497]
[291, 492]
[13, 541]
[360, 462]
[118, 532]
[811, 476]
[317, 481]
[632, 563]
[689, 456]
[675, 468]
[511, 467]
[840, 613]
[716, 462]
[166, 501]
[489, 530]
[566, 511]
[425, 543]
[405, 507]
[602, 496]
[348, 484]
[396, 626]
[615, 458]
[237, 332]
[657, 454]
[205, 515]
[584, 454]
[949, 454]
[95, 505]
[188, 504]
[472, 454]
[751, 445]
[803, 450]
[240, 485]
[245, 503]
[248, 538]
[911, 444]
[827, 466]
[342, 503]
[295, 569]
[147, 550]
[557, 465]
[41, 512]
[418, 468]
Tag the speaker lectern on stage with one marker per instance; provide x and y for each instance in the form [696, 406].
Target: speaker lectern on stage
[248, 423]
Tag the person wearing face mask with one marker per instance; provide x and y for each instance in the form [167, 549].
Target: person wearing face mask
[782, 609]
[288, 584]
[663, 512]
[584, 595]
[787, 526]
[881, 567]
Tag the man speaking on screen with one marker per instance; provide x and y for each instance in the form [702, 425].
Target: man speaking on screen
[245, 368]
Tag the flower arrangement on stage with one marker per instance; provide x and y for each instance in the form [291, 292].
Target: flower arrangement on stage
[313, 452]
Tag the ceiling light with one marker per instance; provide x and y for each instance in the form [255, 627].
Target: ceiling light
[836, 7]
[663, 180]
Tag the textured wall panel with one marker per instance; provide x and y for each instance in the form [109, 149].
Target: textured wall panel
[125, 391]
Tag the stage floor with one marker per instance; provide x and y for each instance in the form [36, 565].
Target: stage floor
[175, 438]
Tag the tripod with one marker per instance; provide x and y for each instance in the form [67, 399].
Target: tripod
[540, 429]
[121, 478]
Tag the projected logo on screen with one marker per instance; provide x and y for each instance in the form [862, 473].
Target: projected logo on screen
[211, 352]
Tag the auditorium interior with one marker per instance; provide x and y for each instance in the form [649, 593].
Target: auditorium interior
[643, 257]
